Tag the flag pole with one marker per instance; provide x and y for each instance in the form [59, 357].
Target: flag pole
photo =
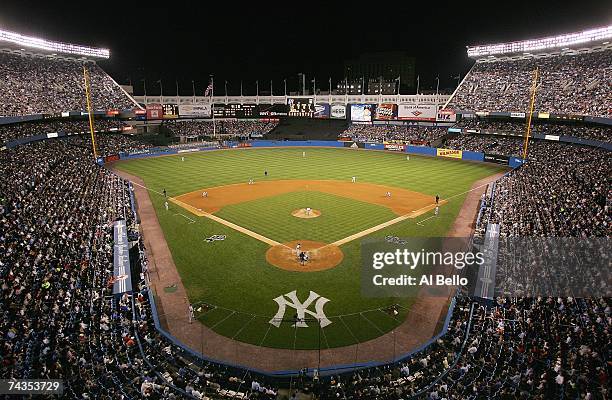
[212, 105]
[89, 113]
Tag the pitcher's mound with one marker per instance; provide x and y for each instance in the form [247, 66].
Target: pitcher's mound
[321, 256]
[303, 213]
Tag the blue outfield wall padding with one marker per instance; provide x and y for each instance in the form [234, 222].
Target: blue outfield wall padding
[374, 146]
[297, 143]
[472, 155]
[424, 150]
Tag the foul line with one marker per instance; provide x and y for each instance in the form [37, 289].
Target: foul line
[394, 221]
[186, 217]
[229, 224]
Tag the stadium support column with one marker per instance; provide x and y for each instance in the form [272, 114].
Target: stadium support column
[212, 105]
[534, 88]
[89, 112]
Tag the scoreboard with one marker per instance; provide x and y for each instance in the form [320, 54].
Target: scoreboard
[170, 110]
[236, 110]
[301, 107]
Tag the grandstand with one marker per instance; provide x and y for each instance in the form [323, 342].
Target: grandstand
[64, 318]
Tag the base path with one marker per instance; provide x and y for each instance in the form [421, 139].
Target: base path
[422, 322]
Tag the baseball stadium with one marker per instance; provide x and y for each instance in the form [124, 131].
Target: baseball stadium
[371, 235]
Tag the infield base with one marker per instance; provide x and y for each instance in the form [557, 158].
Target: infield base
[322, 256]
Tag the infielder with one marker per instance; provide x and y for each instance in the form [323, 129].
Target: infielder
[204, 194]
[166, 205]
[354, 179]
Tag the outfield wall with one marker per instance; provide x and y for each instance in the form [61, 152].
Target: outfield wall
[465, 155]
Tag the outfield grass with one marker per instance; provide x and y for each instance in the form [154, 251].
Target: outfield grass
[234, 275]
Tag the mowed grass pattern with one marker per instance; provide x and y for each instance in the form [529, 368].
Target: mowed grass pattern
[234, 275]
[272, 217]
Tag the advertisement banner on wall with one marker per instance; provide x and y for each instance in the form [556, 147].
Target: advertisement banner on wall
[449, 153]
[194, 110]
[338, 111]
[420, 112]
[321, 110]
[395, 147]
[496, 158]
[154, 111]
[446, 116]
[517, 115]
[386, 111]
[273, 110]
[362, 112]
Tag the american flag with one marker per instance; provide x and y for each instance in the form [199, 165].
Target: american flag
[209, 89]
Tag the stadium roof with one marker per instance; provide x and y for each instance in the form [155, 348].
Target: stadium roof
[21, 41]
[588, 37]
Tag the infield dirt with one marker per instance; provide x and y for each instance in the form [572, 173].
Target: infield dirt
[401, 201]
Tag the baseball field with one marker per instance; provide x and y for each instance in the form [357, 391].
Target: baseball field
[235, 217]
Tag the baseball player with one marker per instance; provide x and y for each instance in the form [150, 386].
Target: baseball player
[166, 205]
[354, 179]
[204, 194]
[191, 314]
[437, 210]
[437, 199]
[302, 258]
[182, 158]
[388, 194]
[251, 181]
[298, 249]
[303, 154]
[308, 209]
[407, 158]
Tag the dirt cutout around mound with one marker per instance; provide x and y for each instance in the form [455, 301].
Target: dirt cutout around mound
[307, 214]
[321, 256]
[210, 200]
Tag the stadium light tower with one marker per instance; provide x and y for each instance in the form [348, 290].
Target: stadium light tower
[591, 36]
[51, 46]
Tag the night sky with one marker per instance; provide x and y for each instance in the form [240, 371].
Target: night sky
[250, 40]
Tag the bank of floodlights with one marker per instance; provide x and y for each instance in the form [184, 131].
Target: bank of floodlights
[551, 42]
[56, 47]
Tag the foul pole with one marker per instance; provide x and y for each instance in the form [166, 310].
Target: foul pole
[534, 88]
[89, 113]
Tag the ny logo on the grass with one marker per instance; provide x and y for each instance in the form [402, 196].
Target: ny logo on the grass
[290, 299]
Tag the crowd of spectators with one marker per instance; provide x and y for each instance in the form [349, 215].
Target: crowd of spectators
[563, 190]
[504, 145]
[38, 84]
[233, 127]
[571, 84]
[61, 320]
[521, 348]
[403, 133]
[24, 129]
[601, 133]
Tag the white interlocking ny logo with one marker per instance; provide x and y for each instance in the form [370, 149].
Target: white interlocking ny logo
[290, 299]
